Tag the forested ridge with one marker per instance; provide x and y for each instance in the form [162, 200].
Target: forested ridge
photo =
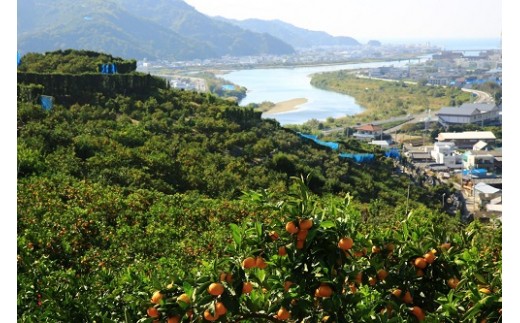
[121, 194]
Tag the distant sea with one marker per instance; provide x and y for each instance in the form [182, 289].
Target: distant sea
[452, 44]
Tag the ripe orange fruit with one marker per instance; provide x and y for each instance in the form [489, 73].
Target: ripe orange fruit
[184, 298]
[407, 298]
[222, 277]
[249, 262]
[376, 249]
[305, 224]
[453, 282]
[382, 274]
[156, 297]
[429, 257]
[287, 284]
[353, 288]
[291, 227]
[323, 291]
[420, 263]
[397, 292]
[229, 278]
[247, 288]
[216, 289]
[419, 272]
[418, 312]
[220, 309]
[358, 253]
[209, 317]
[283, 314]
[282, 251]
[300, 244]
[345, 243]
[260, 263]
[372, 281]
[274, 235]
[152, 312]
[174, 319]
[302, 234]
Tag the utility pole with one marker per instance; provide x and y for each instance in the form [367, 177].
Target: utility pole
[407, 199]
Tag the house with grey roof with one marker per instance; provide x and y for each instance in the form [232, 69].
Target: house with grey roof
[478, 113]
[467, 139]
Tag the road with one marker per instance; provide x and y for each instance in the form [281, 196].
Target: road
[482, 97]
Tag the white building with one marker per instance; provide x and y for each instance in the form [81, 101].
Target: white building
[467, 139]
[445, 153]
[480, 160]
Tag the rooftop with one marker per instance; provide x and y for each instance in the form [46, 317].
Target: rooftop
[467, 109]
[369, 127]
[479, 135]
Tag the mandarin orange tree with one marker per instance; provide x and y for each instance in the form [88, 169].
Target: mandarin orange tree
[326, 281]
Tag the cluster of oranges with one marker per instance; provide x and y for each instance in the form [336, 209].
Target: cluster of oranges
[254, 262]
[422, 262]
[300, 229]
[216, 289]
[156, 299]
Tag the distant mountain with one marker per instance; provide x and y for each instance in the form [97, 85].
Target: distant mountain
[160, 29]
[295, 36]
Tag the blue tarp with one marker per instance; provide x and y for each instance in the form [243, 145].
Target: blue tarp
[18, 58]
[328, 144]
[393, 153]
[46, 102]
[477, 171]
[108, 68]
[228, 87]
[359, 158]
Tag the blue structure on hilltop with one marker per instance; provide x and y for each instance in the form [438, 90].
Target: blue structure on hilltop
[110, 68]
[18, 58]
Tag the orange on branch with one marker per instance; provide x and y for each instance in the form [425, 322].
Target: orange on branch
[208, 316]
[305, 224]
[291, 227]
[249, 262]
[216, 289]
[345, 243]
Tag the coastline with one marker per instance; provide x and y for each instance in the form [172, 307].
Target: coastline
[286, 106]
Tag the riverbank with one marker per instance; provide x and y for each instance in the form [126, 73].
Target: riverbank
[286, 106]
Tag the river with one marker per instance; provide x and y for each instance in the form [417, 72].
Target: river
[283, 84]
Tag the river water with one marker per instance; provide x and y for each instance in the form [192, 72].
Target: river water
[282, 84]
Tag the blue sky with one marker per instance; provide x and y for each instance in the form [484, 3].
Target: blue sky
[372, 19]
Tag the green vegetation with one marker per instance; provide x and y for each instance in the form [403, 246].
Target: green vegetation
[152, 29]
[217, 86]
[72, 61]
[385, 99]
[123, 194]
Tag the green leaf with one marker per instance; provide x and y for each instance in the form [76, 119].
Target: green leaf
[237, 236]
[406, 234]
[327, 224]
[480, 278]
